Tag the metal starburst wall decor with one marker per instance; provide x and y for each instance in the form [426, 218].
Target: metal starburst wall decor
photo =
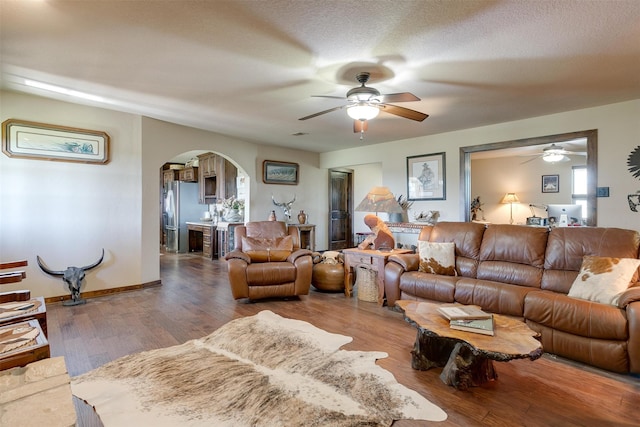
[634, 162]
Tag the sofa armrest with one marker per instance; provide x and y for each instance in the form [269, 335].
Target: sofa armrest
[629, 296]
[238, 255]
[297, 254]
[408, 262]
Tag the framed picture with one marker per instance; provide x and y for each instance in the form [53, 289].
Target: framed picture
[279, 172]
[52, 142]
[426, 177]
[550, 183]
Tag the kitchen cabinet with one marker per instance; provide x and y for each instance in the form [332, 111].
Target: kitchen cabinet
[202, 237]
[188, 174]
[216, 178]
[226, 172]
[169, 175]
[207, 179]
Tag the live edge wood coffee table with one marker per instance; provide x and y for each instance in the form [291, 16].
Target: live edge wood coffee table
[467, 357]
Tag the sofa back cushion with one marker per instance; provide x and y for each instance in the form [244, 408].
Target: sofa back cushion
[467, 238]
[513, 254]
[567, 246]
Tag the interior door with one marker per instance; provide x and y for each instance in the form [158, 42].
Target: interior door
[340, 209]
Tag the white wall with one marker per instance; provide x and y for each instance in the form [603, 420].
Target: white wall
[618, 134]
[67, 212]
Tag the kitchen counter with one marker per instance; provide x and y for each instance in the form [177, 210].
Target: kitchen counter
[202, 223]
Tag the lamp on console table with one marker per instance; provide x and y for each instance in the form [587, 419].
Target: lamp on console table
[378, 199]
[510, 198]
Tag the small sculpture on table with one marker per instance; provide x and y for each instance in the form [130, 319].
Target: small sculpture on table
[382, 238]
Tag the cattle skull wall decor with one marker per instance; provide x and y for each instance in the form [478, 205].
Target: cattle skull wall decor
[73, 277]
[286, 206]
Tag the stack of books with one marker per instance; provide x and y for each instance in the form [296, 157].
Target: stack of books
[468, 318]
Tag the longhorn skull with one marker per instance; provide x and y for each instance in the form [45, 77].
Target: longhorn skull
[286, 207]
[73, 277]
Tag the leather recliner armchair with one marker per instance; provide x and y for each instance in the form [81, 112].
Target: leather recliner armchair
[267, 262]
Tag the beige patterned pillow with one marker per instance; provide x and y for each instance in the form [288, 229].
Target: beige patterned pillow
[437, 258]
[267, 250]
[603, 279]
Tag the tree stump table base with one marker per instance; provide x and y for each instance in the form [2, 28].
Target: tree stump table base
[466, 358]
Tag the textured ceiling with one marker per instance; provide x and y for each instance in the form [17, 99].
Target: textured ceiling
[248, 68]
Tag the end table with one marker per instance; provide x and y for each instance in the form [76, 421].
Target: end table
[374, 260]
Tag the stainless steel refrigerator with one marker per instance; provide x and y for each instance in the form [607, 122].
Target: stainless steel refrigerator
[180, 205]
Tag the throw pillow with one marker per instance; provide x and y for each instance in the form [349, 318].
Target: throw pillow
[437, 258]
[267, 250]
[603, 279]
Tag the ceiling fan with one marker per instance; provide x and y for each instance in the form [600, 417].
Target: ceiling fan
[554, 153]
[364, 103]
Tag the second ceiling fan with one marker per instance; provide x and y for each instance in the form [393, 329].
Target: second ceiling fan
[365, 102]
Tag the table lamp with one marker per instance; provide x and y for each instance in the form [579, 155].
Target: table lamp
[510, 198]
[379, 199]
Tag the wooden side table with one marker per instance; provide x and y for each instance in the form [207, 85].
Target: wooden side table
[374, 260]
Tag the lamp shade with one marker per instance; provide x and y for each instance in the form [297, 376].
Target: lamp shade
[510, 198]
[379, 199]
[362, 111]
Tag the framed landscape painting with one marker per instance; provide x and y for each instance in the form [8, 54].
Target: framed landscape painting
[426, 177]
[52, 142]
[279, 172]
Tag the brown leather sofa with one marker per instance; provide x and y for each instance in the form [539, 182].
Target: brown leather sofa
[267, 262]
[527, 272]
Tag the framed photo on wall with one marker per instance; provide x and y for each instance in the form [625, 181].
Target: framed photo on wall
[426, 177]
[550, 183]
[279, 172]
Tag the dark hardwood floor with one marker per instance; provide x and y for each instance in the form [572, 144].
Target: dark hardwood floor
[195, 299]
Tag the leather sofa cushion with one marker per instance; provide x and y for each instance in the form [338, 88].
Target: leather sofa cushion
[495, 297]
[466, 237]
[605, 354]
[428, 286]
[578, 317]
[568, 245]
[267, 250]
[514, 243]
[270, 273]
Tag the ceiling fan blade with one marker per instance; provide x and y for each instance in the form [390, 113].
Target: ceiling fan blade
[360, 126]
[328, 96]
[404, 112]
[322, 112]
[398, 97]
[531, 159]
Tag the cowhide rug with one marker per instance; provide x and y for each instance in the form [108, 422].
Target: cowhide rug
[263, 370]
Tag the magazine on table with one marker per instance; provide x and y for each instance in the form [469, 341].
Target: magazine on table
[478, 326]
[463, 312]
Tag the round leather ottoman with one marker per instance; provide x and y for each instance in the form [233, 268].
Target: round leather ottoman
[328, 277]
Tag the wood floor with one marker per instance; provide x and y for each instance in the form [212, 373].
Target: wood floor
[195, 299]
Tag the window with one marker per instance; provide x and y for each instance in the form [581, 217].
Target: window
[579, 188]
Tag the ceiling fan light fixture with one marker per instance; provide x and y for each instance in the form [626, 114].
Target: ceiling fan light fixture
[362, 111]
[553, 157]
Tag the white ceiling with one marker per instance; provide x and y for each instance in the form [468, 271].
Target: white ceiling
[248, 68]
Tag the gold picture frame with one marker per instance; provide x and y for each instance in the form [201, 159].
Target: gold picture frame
[24, 139]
